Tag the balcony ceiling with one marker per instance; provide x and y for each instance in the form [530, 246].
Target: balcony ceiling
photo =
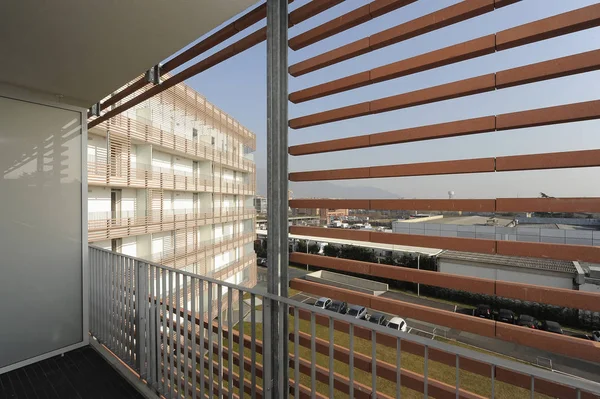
[84, 50]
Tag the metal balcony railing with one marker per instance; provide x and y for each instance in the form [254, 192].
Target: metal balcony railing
[215, 244]
[148, 176]
[109, 219]
[187, 335]
[133, 129]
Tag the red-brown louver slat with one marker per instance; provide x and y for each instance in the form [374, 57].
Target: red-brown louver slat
[560, 113]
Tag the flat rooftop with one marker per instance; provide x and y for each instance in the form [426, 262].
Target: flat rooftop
[552, 265]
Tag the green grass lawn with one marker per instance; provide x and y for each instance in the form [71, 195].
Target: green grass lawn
[472, 382]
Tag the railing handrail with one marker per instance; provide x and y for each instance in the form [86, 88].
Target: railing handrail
[186, 211]
[525, 369]
[218, 240]
[133, 126]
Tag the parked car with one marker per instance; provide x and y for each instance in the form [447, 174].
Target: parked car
[398, 323]
[596, 335]
[323, 303]
[378, 318]
[339, 307]
[551, 326]
[261, 262]
[483, 311]
[582, 336]
[358, 312]
[528, 321]
[506, 316]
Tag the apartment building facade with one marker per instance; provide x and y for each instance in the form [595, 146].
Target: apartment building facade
[172, 181]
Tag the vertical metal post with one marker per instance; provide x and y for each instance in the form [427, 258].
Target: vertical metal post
[141, 301]
[276, 361]
[418, 268]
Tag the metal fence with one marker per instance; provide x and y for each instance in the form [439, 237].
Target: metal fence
[181, 333]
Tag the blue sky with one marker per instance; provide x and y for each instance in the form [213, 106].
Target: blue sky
[238, 86]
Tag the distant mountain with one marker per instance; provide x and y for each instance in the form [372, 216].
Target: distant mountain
[323, 189]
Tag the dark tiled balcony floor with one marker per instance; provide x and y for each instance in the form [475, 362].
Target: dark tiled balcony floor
[82, 373]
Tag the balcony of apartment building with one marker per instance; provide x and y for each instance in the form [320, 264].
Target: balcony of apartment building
[143, 175]
[118, 224]
[195, 146]
[174, 333]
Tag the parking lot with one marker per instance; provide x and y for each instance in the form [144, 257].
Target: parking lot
[550, 360]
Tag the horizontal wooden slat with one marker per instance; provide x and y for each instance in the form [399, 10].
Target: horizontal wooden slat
[481, 205]
[537, 117]
[330, 28]
[473, 205]
[446, 91]
[333, 174]
[409, 379]
[419, 26]
[509, 376]
[523, 75]
[344, 22]
[434, 59]
[330, 145]
[569, 346]
[562, 24]
[549, 116]
[549, 295]
[453, 243]
[525, 292]
[556, 68]
[399, 273]
[575, 205]
[311, 9]
[512, 248]
[480, 165]
[330, 203]
[550, 251]
[553, 160]
[462, 322]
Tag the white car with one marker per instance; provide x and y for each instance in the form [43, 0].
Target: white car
[397, 323]
[323, 303]
[596, 335]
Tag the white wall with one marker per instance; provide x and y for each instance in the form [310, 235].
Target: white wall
[106, 244]
[161, 160]
[526, 276]
[144, 246]
[223, 259]
[590, 288]
[182, 201]
[128, 201]
[205, 233]
[129, 246]
[96, 148]
[162, 242]
[183, 165]
[144, 154]
[98, 199]
[43, 247]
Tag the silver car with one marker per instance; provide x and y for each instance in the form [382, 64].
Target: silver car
[323, 303]
[358, 312]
